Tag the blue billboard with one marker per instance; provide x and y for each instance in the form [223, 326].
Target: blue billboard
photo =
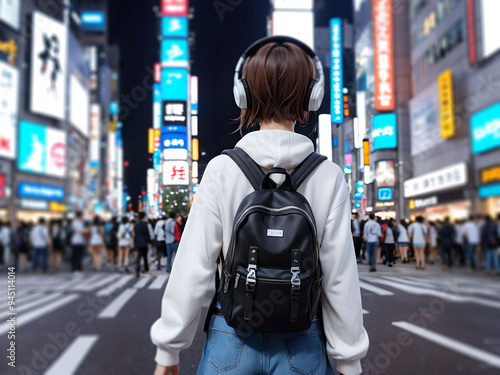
[489, 191]
[337, 84]
[174, 84]
[485, 129]
[174, 52]
[93, 20]
[114, 108]
[173, 140]
[156, 106]
[385, 194]
[39, 191]
[385, 131]
[174, 26]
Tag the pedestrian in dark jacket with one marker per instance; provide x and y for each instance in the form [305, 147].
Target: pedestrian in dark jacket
[490, 243]
[447, 233]
[143, 238]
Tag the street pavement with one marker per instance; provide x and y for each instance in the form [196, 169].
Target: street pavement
[419, 322]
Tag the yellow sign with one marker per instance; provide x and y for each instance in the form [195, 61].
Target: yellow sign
[490, 174]
[112, 126]
[151, 140]
[366, 151]
[412, 204]
[9, 48]
[57, 207]
[446, 104]
[385, 204]
[196, 149]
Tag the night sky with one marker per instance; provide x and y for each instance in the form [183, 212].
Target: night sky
[218, 43]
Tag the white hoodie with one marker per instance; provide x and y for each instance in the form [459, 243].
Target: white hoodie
[209, 227]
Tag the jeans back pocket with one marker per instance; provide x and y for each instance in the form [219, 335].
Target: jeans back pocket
[225, 350]
[304, 352]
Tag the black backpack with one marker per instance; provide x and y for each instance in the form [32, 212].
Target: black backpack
[272, 275]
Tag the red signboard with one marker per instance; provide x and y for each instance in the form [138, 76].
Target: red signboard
[157, 72]
[471, 31]
[384, 54]
[2, 186]
[174, 7]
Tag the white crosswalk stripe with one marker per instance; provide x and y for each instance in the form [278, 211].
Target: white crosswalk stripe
[452, 344]
[102, 281]
[112, 310]
[158, 283]
[142, 282]
[73, 356]
[374, 289]
[21, 308]
[120, 283]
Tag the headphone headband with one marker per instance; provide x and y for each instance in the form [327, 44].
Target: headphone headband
[280, 39]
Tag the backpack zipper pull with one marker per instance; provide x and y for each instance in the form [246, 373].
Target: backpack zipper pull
[236, 280]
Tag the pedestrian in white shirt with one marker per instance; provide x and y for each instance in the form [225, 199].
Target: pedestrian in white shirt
[372, 231]
[418, 232]
[161, 249]
[279, 74]
[473, 235]
[5, 238]
[403, 241]
[78, 231]
[125, 239]
[96, 243]
[40, 241]
[433, 242]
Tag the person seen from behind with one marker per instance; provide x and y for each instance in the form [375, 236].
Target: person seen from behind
[372, 232]
[279, 73]
[40, 242]
[143, 236]
[356, 236]
[419, 235]
[403, 241]
[125, 240]
[490, 242]
[77, 233]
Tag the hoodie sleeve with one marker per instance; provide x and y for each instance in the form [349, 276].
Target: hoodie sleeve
[191, 278]
[347, 340]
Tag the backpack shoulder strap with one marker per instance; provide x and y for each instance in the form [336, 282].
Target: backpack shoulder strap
[248, 166]
[305, 168]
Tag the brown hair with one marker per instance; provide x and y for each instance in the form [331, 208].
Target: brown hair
[278, 77]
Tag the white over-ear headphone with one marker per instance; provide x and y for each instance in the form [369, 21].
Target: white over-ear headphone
[315, 91]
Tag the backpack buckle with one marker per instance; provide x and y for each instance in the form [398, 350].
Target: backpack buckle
[295, 277]
[251, 278]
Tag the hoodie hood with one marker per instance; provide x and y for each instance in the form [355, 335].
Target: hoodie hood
[276, 148]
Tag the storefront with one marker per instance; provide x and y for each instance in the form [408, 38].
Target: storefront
[489, 191]
[439, 194]
[37, 200]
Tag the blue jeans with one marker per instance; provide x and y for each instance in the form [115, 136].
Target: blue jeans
[471, 254]
[171, 249]
[491, 258]
[43, 252]
[231, 351]
[372, 247]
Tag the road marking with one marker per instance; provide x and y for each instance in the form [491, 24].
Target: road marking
[142, 282]
[98, 284]
[158, 283]
[73, 356]
[22, 308]
[374, 289]
[120, 283]
[38, 313]
[365, 311]
[450, 297]
[112, 310]
[452, 344]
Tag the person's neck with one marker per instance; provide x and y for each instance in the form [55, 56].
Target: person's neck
[273, 125]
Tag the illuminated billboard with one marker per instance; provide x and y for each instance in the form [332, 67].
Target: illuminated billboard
[156, 106]
[48, 66]
[174, 27]
[447, 178]
[42, 150]
[40, 191]
[173, 140]
[384, 131]
[384, 54]
[174, 7]
[174, 113]
[10, 11]
[293, 4]
[485, 129]
[175, 173]
[95, 125]
[385, 173]
[79, 106]
[286, 23]
[446, 104]
[174, 52]
[337, 84]
[93, 20]
[174, 84]
[490, 9]
[9, 88]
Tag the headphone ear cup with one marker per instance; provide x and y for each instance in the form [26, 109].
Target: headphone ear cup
[239, 94]
[308, 98]
[248, 95]
[317, 96]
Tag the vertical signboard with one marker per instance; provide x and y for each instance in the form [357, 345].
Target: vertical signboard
[384, 54]
[175, 173]
[337, 84]
[366, 152]
[325, 136]
[9, 88]
[95, 120]
[446, 104]
[471, 32]
[156, 106]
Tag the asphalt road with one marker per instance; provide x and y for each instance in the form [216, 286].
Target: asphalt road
[419, 322]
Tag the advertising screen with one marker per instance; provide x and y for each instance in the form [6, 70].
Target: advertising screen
[485, 129]
[93, 20]
[39, 191]
[337, 107]
[173, 140]
[285, 23]
[174, 7]
[174, 84]
[156, 106]
[174, 26]
[384, 131]
[174, 113]
[385, 173]
[79, 106]
[95, 123]
[10, 12]
[424, 121]
[9, 88]
[174, 52]
[385, 194]
[42, 150]
[176, 173]
[490, 9]
[48, 66]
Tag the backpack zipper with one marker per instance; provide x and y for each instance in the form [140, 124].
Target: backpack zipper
[264, 279]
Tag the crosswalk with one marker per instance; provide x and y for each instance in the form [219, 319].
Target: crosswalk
[37, 296]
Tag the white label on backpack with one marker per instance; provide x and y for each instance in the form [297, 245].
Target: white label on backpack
[274, 233]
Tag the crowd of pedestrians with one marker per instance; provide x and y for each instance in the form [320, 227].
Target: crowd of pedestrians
[474, 242]
[110, 245]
